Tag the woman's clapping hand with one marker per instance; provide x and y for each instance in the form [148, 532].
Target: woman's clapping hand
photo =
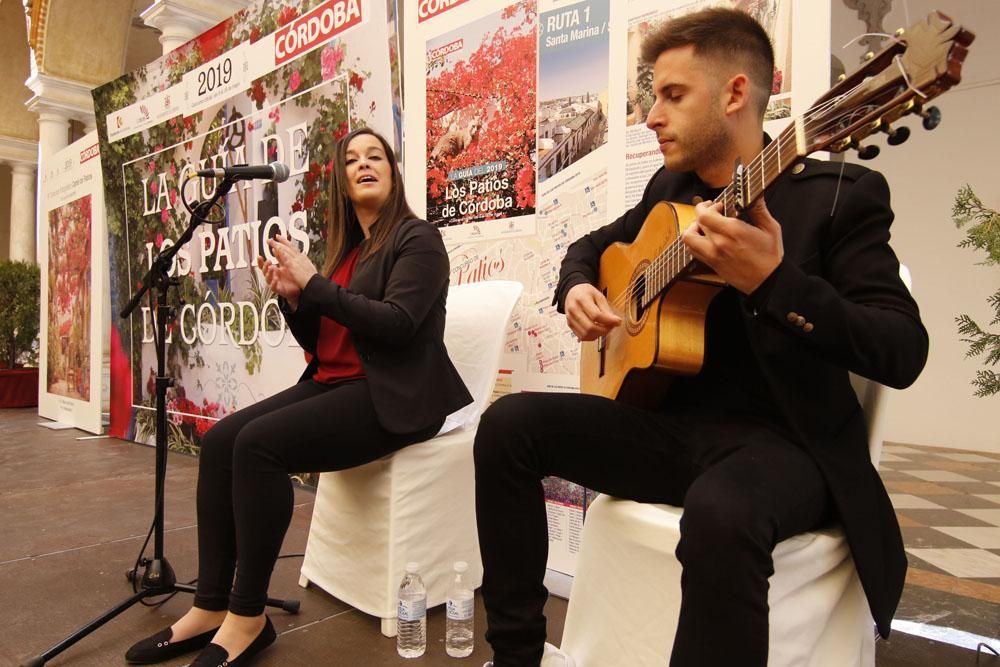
[293, 270]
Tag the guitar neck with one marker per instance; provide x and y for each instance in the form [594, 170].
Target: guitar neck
[751, 180]
[919, 64]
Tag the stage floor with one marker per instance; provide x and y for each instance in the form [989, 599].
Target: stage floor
[73, 514]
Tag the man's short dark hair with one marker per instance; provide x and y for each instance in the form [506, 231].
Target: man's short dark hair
[724, 36]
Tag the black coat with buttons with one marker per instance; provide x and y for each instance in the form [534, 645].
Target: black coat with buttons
[394, 308]
[835, 304]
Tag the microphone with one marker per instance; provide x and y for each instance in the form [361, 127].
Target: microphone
[276, 171]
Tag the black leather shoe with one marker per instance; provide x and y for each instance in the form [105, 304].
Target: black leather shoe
[216, 656]
[159, 647]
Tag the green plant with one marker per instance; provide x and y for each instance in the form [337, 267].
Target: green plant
[982, 232]
[20, 287]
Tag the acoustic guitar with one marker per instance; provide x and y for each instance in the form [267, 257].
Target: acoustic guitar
[663, 294]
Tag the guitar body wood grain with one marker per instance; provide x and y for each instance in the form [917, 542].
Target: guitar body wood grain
[635, 361]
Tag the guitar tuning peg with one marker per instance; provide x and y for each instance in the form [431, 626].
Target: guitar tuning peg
[931, 116]
[868, 152]
[897, 135]
[900, 32]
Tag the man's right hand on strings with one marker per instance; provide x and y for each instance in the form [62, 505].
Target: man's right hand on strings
[588, 312]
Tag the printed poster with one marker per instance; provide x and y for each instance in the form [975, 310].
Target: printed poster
[551, 119]
[799, 32]
[73, 256]
[471, 125]
[279, 81]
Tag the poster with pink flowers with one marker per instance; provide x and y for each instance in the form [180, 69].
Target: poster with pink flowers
[480, 131]
[74, 314]
[280, 81]
[507, 126]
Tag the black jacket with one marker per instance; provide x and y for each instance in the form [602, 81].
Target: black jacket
[840, 274]
[394, 308]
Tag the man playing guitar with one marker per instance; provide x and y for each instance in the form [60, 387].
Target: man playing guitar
[768, 439]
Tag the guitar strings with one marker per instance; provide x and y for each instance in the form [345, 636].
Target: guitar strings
[762, 166]
[874, 34]
[661, 272]
[676, 250]
[763, 161]
[676, 255]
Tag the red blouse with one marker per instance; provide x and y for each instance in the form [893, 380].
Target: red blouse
[338, 360]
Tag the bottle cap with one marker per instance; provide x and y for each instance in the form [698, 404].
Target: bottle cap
[461, 566]
[412, 567]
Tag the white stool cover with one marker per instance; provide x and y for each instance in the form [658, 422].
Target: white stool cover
[419, 503]
[626, 594]
[415, 505]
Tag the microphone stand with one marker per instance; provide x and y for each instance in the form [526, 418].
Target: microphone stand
[158, 576]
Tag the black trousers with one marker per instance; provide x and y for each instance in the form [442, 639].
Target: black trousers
[245, 495]
[743, 487]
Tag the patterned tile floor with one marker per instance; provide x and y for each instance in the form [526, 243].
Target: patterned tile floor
[948, 505]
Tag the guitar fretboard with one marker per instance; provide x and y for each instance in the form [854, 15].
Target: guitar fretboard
[752, 181]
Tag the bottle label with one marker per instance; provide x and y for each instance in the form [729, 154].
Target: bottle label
[460, 610]
[412, 610]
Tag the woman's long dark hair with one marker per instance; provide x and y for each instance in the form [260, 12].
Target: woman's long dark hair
[343, 229]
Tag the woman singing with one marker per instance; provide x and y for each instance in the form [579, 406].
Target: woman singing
[373, 322]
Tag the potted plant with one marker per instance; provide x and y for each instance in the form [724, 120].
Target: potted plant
[982, 229]
[19, 324]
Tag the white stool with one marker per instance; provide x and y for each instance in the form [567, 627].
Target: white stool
[625, 600]
[419, 503]
[626, 594]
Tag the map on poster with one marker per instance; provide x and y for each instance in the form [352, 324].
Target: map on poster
[537, 331]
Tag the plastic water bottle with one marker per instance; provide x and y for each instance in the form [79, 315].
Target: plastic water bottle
[411, 628]
[461, 606]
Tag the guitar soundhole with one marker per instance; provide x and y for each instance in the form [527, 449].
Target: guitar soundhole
[637, 301]
[635, 311]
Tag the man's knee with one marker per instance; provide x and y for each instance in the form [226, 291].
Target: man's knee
[719, 524]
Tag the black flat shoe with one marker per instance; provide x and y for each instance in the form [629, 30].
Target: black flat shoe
[216, 656]
[159, 647]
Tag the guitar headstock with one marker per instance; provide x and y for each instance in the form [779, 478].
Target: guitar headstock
[920, 64]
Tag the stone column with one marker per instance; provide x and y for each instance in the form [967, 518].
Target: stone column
[56, 101]
[181, 20]
[53, 136]
[21, 154]
[22, 212]
[53, 133]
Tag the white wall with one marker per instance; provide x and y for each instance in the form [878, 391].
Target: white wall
[925, 173]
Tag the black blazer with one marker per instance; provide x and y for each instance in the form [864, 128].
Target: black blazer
[841, 275]
[394, 308]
